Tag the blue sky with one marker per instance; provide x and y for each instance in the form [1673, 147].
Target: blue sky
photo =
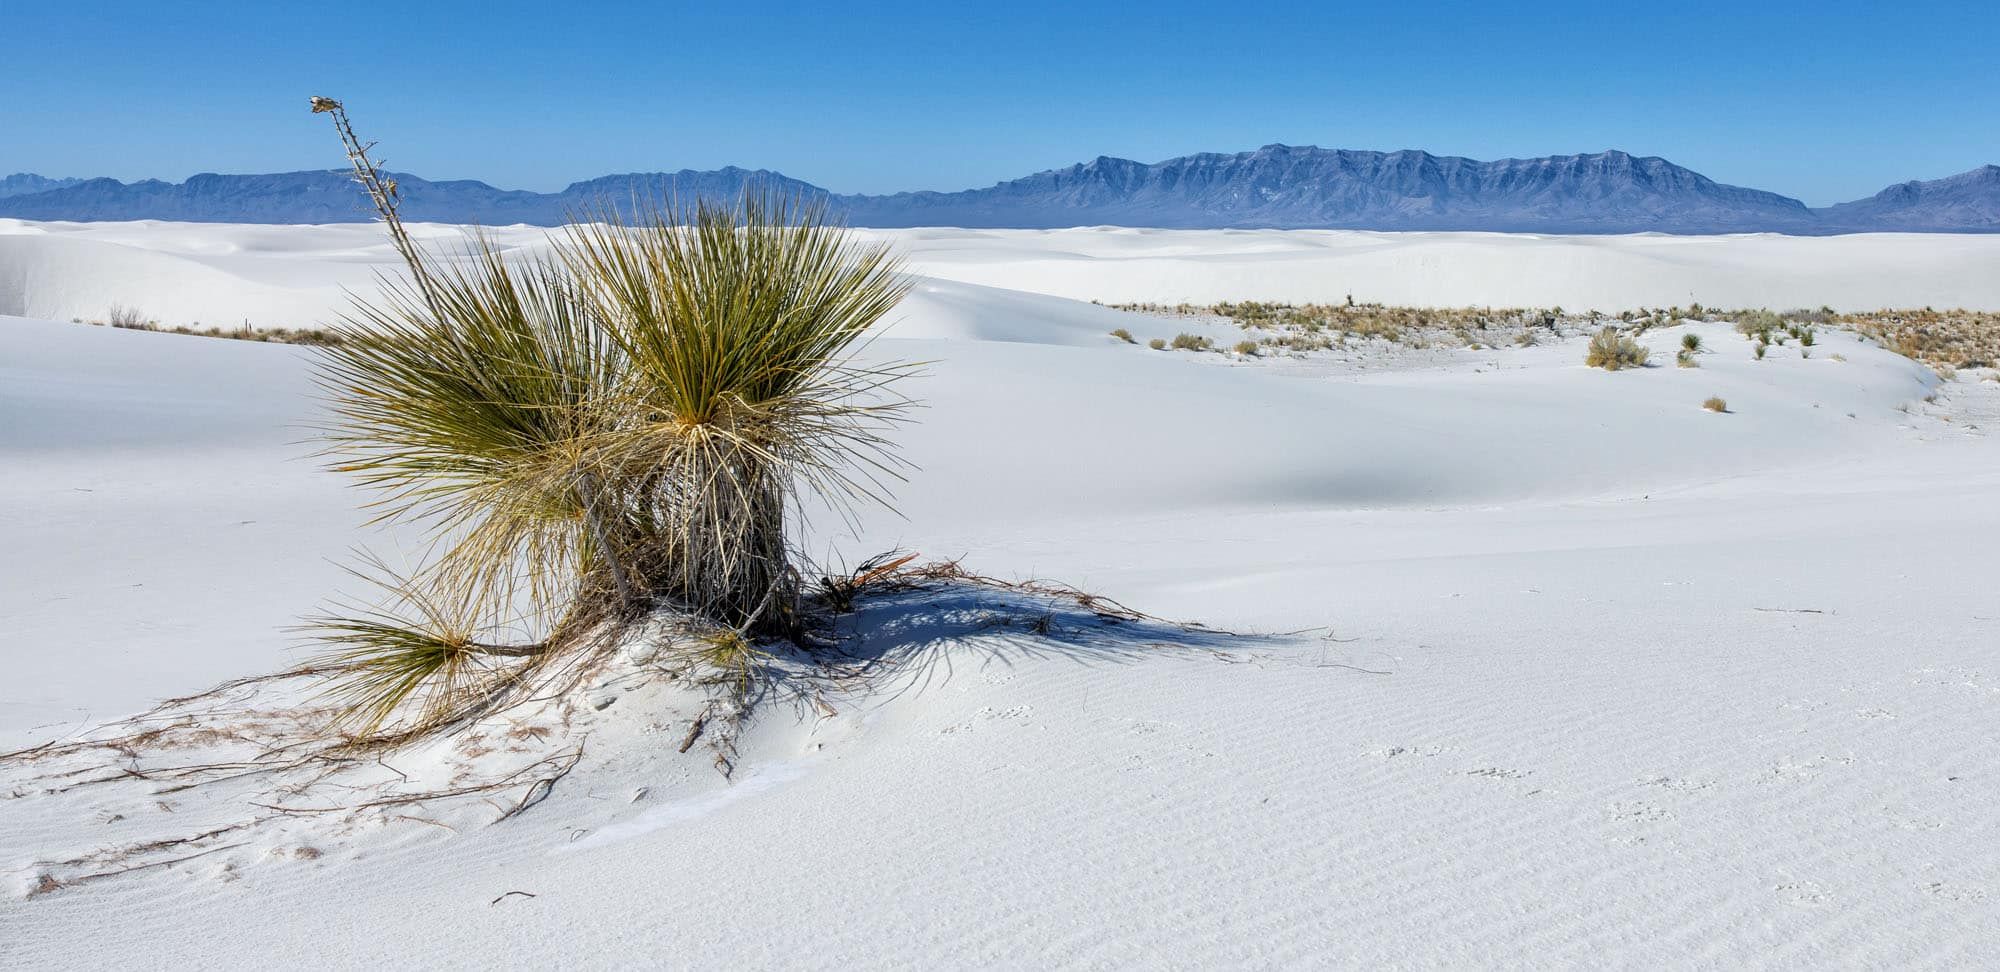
[1824, 101]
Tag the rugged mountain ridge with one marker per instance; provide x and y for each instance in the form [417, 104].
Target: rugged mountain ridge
[1967, 202]
[330, 196]
[23, 183]
[1309, 187]
[1279, 186]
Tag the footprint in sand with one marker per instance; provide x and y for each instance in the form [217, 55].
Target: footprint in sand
[988, 714]
[1949, 891]
[1799, 771]
[1805, 894]
[1910, 819]
[1639, 813]
[1428, 752]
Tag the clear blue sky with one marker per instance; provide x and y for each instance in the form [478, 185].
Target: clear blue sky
[1823, 101]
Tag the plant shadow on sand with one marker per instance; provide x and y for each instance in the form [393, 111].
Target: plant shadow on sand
[239, 775]
[915, 629]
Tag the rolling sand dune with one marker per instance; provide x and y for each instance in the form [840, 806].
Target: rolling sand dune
[292, 276]
[1544, 666]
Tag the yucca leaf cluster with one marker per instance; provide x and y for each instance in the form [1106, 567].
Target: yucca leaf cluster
[619, 424]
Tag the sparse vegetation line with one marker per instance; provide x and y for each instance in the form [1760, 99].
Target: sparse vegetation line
[126, 319]
[1943, 339]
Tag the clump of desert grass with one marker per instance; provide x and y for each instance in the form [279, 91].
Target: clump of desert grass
[1715, 403]
[1247, 349]
[1690, 346]
[128, 317]
[1157, 344]
[1758, 323]
[620, 428]
[1123, 335]
[1612, 351]
[1191, 342]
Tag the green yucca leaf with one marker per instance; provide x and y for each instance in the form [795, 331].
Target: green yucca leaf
[623, 422]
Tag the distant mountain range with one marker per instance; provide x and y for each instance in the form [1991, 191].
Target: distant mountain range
[1279, 186]
[23, 183]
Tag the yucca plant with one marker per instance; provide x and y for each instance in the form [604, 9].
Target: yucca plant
[735, 324]
[617, 427]
[1690, 346]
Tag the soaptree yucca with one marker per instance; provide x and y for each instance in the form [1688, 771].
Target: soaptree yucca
[620, 425]
[733, 324]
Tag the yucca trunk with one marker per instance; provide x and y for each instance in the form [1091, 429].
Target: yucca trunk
[715, 540]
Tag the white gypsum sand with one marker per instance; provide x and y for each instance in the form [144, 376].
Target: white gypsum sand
[1557, 668]
[291, 276]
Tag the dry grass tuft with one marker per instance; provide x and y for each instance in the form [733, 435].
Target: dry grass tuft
[129, 318]
[1612, 351]
[1715, 404]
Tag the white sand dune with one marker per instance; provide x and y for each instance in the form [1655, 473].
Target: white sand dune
[1594, 677]
[292, 276]
[1609, 273]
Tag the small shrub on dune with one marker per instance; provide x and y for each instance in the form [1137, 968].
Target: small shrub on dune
[1756, 322]
[1715, 404]
[1157, 344]
[130, 318]
[1123, 335]
[1759, 350]
[1612, 351]
[1690, 346]
[1191, 342]
[1247, 349]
